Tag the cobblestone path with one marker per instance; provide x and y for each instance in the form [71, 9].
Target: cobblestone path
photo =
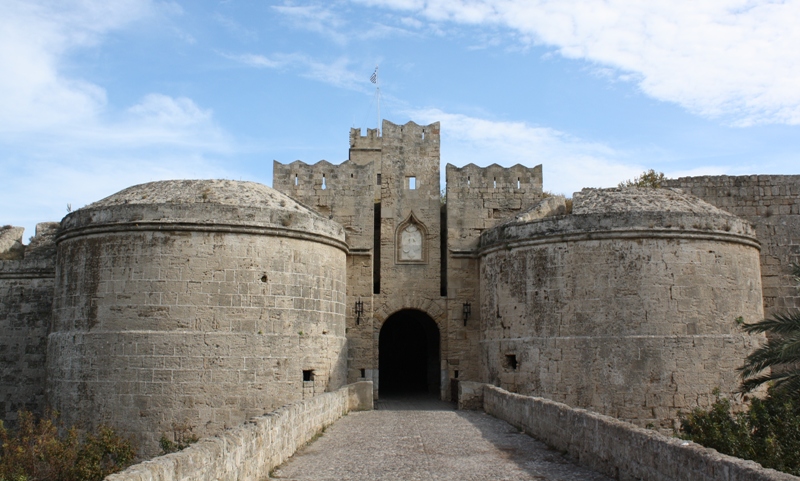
[418, 439]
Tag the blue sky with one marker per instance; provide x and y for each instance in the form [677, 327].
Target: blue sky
[96, 96]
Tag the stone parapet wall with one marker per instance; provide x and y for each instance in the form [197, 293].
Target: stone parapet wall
[27, 275]
[26, 300]
[616, 448]
[254, 449]
[771, 203]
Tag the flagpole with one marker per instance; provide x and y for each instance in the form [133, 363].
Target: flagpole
[374, 79]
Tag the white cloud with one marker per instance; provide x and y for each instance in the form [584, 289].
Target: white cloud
[732, 59]
[61, 141]
[569, 163]
[336, 73]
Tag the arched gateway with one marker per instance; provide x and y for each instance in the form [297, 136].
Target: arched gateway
[409, 354]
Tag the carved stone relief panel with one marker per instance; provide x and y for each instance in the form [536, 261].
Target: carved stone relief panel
[410, 242]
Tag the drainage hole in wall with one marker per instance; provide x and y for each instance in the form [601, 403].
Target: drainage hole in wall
[264, 278]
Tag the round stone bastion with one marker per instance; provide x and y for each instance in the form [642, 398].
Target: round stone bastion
[629, 306]
[184, 307]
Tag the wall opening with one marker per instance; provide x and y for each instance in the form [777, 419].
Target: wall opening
[510, 362]
[308, 375]
[411, 183]
[324, 186]
[409, 354]
[443, 251]
[376, 249]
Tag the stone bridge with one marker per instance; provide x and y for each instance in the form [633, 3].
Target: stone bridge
[508, 437]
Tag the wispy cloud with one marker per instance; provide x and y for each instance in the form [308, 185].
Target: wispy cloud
[569, 163]
[61, 140]
[732, 59]
[334, 25]
[337, 73]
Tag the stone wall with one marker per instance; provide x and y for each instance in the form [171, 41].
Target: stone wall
[772, 204]
[26, 299]
[478, 198]
[347, 198]
[628, 307]
[618, 449]
[253, 450]
[162, 317]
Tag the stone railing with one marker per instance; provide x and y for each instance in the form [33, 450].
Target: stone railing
[254, 449]
[610, 446]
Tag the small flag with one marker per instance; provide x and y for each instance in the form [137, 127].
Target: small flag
[374, 77]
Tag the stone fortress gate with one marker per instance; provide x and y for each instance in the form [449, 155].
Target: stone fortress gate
[201, 303]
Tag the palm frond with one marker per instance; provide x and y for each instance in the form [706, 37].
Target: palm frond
[783, 324]
[796, 271]
[776, 353]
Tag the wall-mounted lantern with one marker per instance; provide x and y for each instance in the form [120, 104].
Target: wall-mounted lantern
[467, 312]
[359, 311]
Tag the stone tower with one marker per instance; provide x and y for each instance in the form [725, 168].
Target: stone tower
[411, 276]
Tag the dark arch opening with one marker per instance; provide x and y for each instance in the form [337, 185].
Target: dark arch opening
[409, 354]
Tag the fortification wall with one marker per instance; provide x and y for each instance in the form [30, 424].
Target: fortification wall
[26, 299]
[631, 313]
[253, 450]
[348, 198]
[771, 203]
[477, 199]
[616, 448]
[162, 317]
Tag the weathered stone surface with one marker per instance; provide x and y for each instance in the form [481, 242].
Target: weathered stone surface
[424, 439]
[547, 207]
[201, 311]
[252, 450]
[628, 307]
[26, 299]
[619, 449]
[11, 242]
[771, 203]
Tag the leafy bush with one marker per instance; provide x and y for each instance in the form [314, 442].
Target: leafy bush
[768, 432]
[36, 452]
[649, 178]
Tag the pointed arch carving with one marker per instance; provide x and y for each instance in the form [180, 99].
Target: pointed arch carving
[411, 241]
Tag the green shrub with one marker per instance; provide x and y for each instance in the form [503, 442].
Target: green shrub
[768, 432]
[183, 438]
[35, 451]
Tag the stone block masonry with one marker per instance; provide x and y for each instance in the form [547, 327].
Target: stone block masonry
[251, 451]
[26, 299]
[771, 203]
[616, 448]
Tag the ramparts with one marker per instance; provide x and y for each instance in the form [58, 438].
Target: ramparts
[771, 203]
[252, 450]
[26, 299]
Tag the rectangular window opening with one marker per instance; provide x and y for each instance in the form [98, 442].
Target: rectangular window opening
[323, 182]
[379, 179]
[511, 362]
[412, 183]
[455, 374]
[308, 375]
[517, 182]
[468, 181]
[295, 179]
[495, 182]
[363, 373]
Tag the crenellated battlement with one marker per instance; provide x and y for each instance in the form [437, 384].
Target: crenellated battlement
[370, 141]
[517, 177]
